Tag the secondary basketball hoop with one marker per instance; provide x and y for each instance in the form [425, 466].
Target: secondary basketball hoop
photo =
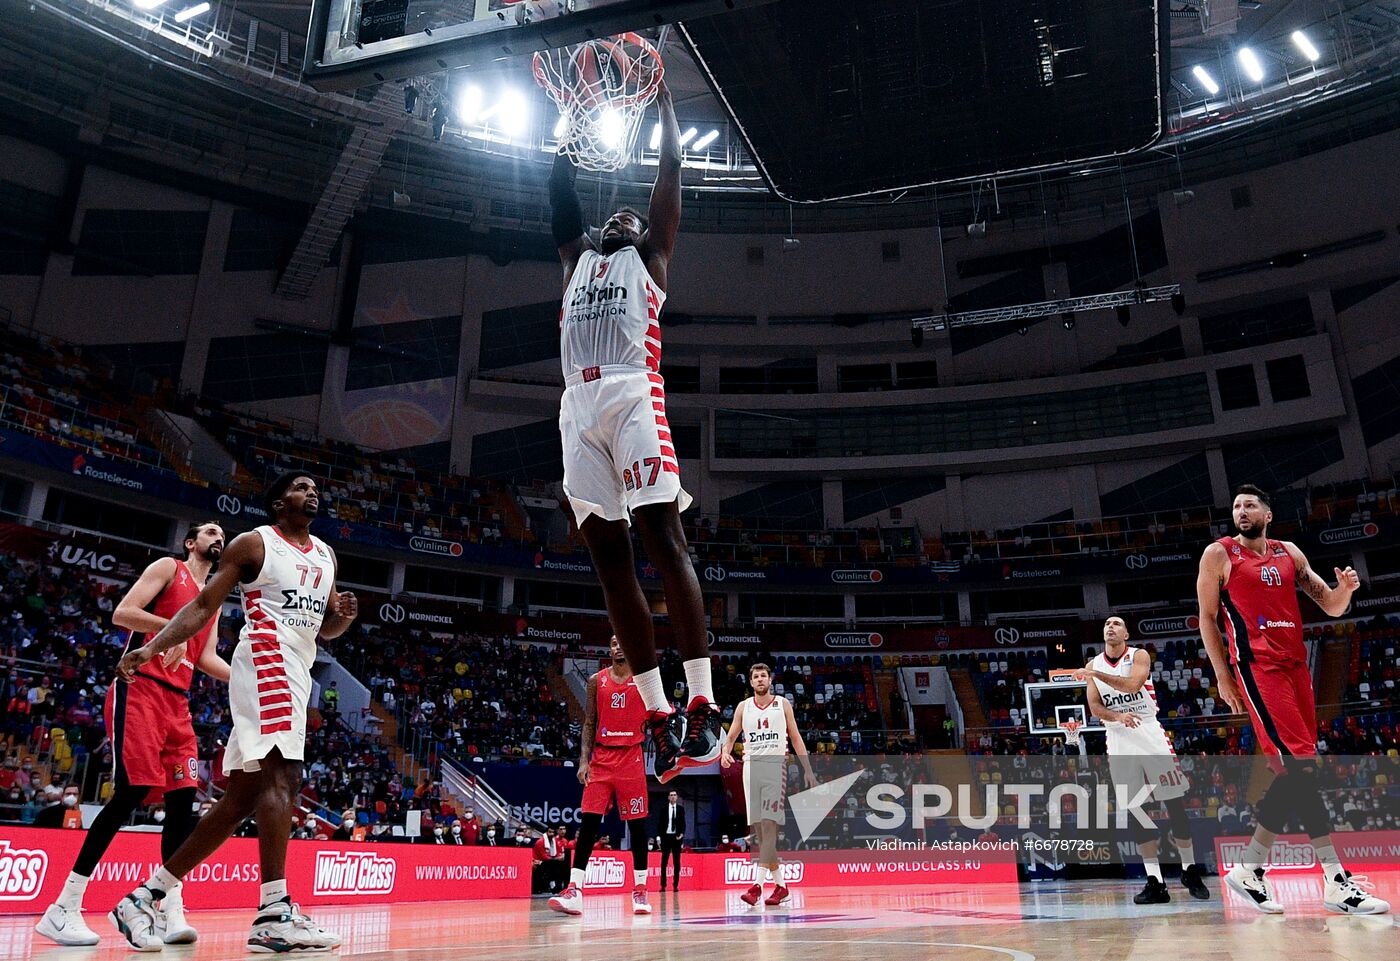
[602, 89]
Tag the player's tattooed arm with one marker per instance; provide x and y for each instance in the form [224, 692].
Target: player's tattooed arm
[590, 729]
[1334, 601]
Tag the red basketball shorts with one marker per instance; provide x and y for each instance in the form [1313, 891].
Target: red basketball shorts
[152, 733]
[616, 772]
[1279, 696]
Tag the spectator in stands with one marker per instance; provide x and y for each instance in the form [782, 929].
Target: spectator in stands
[346, 830]
[60, 809]
[330, 701]
[471, 827]
[551, 869]
[726, 846]
[493, 836]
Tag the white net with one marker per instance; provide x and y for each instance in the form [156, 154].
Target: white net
[602, 89]
[1071, 729]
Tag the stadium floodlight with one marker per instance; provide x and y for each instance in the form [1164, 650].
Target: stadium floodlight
[1249, 60]
[515, 113]
[706, 140]
[1301, 41]
[689, 135]
[469, 103]
[612, 127]
[146, 4]
[189, 13]
[560, 126]
[656, 137]
[1206, 81]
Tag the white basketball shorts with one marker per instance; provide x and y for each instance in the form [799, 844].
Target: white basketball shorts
[267, 698]
[765, 788]
[1144, 755]
[618, 453]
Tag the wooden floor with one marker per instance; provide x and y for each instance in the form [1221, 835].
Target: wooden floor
[1054, 921]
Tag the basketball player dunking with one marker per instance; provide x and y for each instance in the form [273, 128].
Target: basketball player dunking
[152, 733]
[768, 726]
[1120, 694]
[289, 598]
[619, 459]
[610, 765]
[1254, 581]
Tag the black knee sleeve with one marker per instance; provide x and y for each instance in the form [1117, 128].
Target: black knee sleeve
[114, 814]
[637, 832]
[1180, 821]
[1295, 797]
[179, 821]
[587, 837]
[1145, 834]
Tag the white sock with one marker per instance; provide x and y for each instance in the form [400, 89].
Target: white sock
[1154, 868]
[576, 876]
[160, 882]
[1327, 857]
[639, 878]
[1187, 850]
[71, 897]
[172, 897]
[272, 892]
[768, 874]
[1255, 855]
[698, 681]
[653, 694]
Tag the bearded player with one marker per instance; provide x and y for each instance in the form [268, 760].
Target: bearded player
[768, 726]
[152, 733]
[619, 458]
[1254, 582]
[1140, 753]
[287, 577]
[610, 765]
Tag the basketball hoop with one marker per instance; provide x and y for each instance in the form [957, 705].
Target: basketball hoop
[1071, 729]
[602, 89]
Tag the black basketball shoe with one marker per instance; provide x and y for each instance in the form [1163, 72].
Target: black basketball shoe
[666, 742]
[1153, 892]
[1191, 879]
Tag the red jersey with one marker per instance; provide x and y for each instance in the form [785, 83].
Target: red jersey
[621, 714]
[180, 591]
[1260, 604]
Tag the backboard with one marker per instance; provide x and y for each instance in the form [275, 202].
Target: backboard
[1050, 703]
[355, 43]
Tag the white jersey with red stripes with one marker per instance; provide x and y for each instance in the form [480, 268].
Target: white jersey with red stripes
[285, 604]
[765, 729]
[611, 315]
[1142, 702]
[270, 672]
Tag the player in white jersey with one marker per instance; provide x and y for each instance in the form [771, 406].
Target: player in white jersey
[768, 726]
[619, 457]
[1120, 694]
[289, 598]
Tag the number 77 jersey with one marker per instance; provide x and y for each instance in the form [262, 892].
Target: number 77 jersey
[1260, 604]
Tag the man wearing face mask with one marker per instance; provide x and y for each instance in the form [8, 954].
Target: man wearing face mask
[438, 835]
[457, 837]
[346, 831]
[471, 827]
[60, 809]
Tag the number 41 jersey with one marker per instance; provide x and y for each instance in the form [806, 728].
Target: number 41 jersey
[1260, 604]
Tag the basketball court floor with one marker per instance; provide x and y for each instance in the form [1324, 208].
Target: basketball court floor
[1051, 921]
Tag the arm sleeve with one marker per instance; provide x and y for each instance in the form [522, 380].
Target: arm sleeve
[566, 216]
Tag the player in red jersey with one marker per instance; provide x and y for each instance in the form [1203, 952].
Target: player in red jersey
[610, 766]
[152, 733]
[1254, 582]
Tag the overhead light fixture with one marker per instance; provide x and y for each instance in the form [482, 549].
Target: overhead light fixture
[189, 13]
[1023, 331]
[1067, 319]
[611, 128]
[560, 126]
[146, 4]
[1206, 81]
[438, 117]
[688, 136]
[1305, 46]
[410, 98]
[1249, 60]
[1179, 304]
[469, 103]
[656, 137]
[515, 113]
[706, 140]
